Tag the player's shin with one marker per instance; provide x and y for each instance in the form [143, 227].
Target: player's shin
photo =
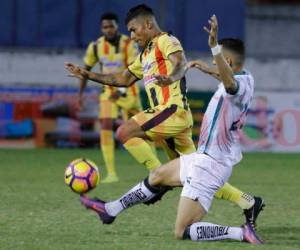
[142, 192]
[142, 152]
[108, 151]
[231, 193]
[204, 231]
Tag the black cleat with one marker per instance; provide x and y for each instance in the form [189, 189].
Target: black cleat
[252, 213]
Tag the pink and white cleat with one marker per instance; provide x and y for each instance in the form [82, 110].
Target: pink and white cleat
[97, 206]
[250, 236]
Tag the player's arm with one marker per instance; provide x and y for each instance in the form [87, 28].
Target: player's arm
[225, 72]
[122, 79]
[83, 83]
[90, 60]
[202, 66]
[179, 63]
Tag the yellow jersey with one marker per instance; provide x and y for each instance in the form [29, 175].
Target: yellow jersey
[112, 58]
[154, 60]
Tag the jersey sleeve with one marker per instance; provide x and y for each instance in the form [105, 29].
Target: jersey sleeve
[245, 85]
[169, 44]
[133, 52]
[136, 68]
[90, 58]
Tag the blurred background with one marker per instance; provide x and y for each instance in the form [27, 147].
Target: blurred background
[38, 101]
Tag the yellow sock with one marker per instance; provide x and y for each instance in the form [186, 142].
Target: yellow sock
[108, 151]
[142, 152]
[231, 193]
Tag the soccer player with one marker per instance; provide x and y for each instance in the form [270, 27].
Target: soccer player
[162, 60]
[113, 52]
[203, 172]
[162, 66]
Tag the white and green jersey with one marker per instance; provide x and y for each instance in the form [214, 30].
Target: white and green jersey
[224, 117]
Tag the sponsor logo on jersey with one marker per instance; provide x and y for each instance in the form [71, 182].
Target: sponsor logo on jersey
[147, 66]
[149, 79]
[111, 64]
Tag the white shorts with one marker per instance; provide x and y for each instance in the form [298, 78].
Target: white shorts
[201, 176]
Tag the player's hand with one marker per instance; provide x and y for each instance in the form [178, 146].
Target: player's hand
[163, 80]
[76, 71]
[203, 66]
[212, 31]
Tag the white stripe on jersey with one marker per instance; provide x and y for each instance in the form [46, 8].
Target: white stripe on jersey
[223, 119]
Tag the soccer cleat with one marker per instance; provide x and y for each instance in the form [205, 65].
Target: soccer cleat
[252, 213]
[99, 207]
[250, 236]
[110, 179]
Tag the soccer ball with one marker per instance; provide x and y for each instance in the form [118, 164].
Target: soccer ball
[82, 175]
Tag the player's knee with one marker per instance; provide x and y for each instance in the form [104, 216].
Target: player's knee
[178, 233]
[122, 134]
[156, 177]
[106, 123]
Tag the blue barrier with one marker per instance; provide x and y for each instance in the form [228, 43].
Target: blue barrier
[74, 23]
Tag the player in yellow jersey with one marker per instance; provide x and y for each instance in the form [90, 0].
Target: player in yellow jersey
[113, 52]
[162, 66]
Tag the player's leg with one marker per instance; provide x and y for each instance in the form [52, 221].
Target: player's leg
[201, 180]
[155, 124]
[169, 148]
[189, 226]
[136, 143]
[188, 212]
[149, 124]
[251, 205]
[126, 107]
[108, 114]
[183, 142]
[203, 176]
[231, 193]
[130, 106]
[176, 131]
[168, 174]
[129, 101]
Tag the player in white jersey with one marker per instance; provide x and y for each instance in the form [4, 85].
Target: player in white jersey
[201, 173]
[224, 116]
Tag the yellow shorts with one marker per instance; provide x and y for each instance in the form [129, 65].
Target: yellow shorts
[169, 124]
[128, 105]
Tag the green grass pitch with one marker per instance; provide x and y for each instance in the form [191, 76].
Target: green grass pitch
[38, 211]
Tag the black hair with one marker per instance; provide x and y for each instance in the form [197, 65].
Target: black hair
[235, 45]
[109, 16]
[139, 10]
